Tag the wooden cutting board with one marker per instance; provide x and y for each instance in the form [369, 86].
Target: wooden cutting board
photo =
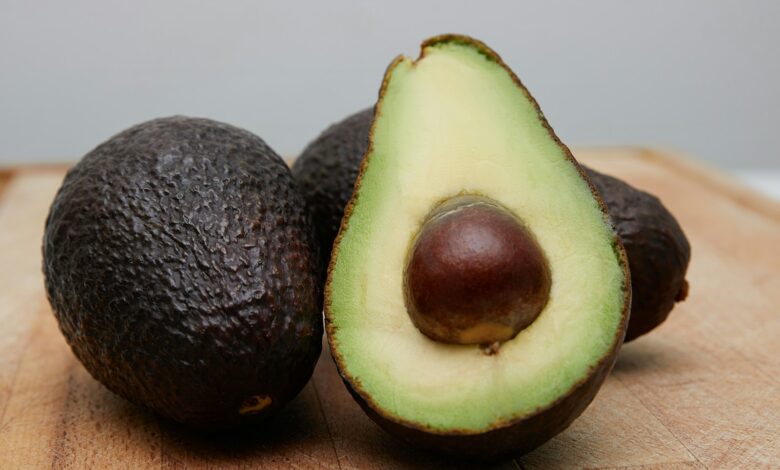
[701, 391]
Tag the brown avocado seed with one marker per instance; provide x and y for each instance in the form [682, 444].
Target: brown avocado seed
[474, 274]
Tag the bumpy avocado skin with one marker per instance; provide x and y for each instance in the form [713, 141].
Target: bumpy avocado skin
[658, 251]
[181, 263]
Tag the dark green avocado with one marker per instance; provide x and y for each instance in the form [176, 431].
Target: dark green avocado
[658, 251]
[182, 265]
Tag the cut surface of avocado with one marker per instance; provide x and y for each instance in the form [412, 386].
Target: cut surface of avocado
[457, 121]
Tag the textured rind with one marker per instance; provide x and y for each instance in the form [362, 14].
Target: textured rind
[181, 263]
[657, 249]
[506, 436]
[658, 252]
[518, 438]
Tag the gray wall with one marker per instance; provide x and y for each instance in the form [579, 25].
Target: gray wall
[700, 76]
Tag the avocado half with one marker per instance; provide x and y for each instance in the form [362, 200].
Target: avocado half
[456, 139]
[181, 263]
[656, 246]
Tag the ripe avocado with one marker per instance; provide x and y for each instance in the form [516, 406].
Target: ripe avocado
[436, 221]
[181, 263]
[658, 251]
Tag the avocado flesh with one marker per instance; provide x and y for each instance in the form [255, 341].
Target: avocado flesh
[182, 266]
[457, 121]
[657, 249]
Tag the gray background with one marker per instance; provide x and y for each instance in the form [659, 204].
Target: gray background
[698, 76]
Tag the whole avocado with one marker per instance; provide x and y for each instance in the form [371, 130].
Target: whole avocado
[658, 251]
[181, 263]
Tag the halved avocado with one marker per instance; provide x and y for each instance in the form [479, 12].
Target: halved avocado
[455, 135]
[657, 249]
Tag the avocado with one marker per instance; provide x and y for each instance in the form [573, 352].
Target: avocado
[477, 295]
[658, 251]
[182, 265]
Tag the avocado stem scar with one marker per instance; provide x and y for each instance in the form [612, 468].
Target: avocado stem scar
[491, 349]
[254, 404]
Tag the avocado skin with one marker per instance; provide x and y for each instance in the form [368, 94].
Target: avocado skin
[658, 251]
[181, 263]
[516, 438]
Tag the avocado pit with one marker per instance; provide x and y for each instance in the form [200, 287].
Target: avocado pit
[474, 274]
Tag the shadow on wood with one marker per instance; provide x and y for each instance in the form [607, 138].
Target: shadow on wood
[649, 353]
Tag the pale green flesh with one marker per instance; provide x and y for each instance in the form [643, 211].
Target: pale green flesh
[456, 122]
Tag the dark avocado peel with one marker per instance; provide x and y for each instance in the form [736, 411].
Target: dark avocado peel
[181, 263]
[657, 248]
[438, 136]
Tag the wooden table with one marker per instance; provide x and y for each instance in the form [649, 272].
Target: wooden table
[701, 391]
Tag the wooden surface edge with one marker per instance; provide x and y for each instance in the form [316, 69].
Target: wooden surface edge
[36, 168]
[740, 192]
[5, 178]
[674, 159]
[695, 169]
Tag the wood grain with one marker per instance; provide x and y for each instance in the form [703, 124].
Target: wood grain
[703, 391]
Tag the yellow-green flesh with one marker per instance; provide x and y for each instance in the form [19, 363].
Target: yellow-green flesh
[455, 122]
